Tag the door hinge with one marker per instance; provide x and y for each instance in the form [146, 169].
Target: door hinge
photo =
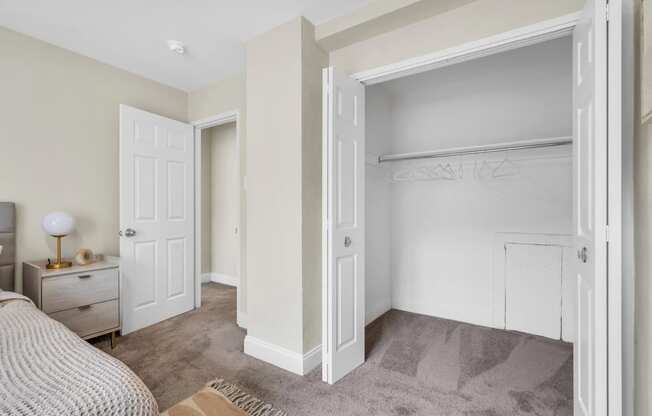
[606, 12]
[606, 233]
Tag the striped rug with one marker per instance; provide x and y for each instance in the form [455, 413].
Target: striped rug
[227, 399]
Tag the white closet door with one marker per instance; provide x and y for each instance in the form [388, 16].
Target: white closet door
[344, 240]
[590, 202]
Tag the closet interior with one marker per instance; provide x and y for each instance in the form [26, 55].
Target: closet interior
[469, 190]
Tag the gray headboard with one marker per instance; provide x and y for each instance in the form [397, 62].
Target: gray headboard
[8, 243]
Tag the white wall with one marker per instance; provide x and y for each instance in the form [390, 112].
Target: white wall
[442, 232]
[378, 284]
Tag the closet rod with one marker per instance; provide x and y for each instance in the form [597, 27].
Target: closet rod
[472, 150]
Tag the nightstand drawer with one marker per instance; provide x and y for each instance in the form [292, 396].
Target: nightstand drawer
[71, 291]
[90, 319]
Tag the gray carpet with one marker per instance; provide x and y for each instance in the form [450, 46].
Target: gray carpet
[416, 365]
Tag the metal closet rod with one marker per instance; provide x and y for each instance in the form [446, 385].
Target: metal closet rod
[474, 150]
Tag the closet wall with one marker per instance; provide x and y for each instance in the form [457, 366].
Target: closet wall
[431, 244]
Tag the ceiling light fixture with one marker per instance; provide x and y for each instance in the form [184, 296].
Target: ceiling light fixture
[176, 46]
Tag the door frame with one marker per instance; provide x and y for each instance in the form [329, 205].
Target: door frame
[232, 116]
[525, 36]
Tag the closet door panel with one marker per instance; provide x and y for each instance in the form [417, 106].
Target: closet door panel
[533, 281]
[344, 259]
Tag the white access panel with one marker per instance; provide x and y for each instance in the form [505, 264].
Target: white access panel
[533, 286]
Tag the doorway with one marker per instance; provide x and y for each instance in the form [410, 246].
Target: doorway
[217, 204]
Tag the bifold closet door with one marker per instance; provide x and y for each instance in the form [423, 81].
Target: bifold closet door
[344, 236]
[590, 53]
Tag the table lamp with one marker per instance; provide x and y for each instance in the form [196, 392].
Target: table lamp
[58, 225]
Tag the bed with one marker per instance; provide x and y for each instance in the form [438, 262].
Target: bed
[46, 369]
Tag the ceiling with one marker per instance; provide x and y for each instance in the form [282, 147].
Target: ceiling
[132, 34]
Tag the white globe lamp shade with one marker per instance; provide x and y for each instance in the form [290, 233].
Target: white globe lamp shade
[58, 224]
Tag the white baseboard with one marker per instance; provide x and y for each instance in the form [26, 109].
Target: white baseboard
[242, 320]
[312, 359]
[376, 312]
[291, 361]
[224, 279]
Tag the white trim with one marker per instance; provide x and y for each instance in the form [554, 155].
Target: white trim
[311, 359]
[615, 214]
[205, 123]
[221, 278]
[242, 320]
[524, 36]
[216, 120]
[291, 361]
[325, 196]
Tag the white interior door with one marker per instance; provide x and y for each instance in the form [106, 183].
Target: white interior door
[344, 239]
[590, 203]
[156, 218]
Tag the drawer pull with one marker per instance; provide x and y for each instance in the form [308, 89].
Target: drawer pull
[84, 276]
[85, 307]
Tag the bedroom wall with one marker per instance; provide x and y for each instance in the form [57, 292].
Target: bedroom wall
[59, 140]
[274, 187]
[442, 233]
[284, 193]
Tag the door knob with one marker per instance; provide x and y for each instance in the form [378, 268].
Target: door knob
[347, 241]
[583, 254]
[129, 232]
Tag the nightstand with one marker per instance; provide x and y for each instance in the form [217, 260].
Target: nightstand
[84, 298]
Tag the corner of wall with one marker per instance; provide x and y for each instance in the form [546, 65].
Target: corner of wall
[313, 59]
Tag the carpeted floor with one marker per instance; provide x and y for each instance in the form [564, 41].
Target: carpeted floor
[416, 365]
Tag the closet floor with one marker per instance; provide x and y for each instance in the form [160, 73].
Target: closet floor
[416, 365]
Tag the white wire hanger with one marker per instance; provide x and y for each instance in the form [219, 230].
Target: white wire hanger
[506, 168]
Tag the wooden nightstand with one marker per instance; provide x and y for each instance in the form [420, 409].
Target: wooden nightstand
[84, 298]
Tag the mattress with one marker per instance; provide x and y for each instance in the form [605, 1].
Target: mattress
[46, 369]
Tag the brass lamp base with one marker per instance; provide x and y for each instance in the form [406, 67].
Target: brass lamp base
[61, 265]
[58, 264]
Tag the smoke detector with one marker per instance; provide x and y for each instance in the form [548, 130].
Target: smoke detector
[176, 46]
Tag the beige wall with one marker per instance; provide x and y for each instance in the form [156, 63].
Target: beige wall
[206, 230]
[219, 97]
[313, 61]
[224, 206]
[59, 140]
[273, 146]
[284, 186]
[643, 221]
[469, 22]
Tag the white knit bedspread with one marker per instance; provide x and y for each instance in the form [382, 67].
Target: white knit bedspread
[47, 370]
